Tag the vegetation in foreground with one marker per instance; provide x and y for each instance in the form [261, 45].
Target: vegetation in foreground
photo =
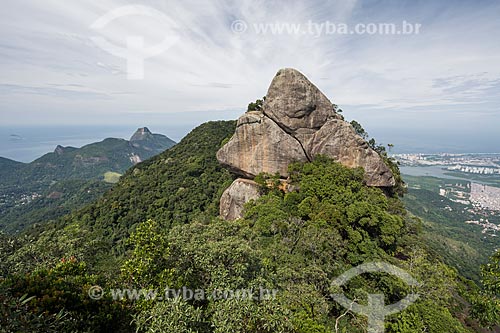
[293, 242]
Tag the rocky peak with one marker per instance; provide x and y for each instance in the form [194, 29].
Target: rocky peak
[59, 150]
[297, 123]
[296, 104]
[142, 133]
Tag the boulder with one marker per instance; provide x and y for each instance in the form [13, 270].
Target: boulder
[296, 104]
[338, 140]
[260, 145]
[235, 196]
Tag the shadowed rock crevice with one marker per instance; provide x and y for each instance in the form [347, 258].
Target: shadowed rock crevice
[260, 145]
[300, 143]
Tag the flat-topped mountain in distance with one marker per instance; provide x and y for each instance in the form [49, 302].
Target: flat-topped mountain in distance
[70, 174]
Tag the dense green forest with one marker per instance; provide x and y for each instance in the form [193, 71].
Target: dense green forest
[158, 228]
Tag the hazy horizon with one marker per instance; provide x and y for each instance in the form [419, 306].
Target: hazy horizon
[443, 79]
[26, 143]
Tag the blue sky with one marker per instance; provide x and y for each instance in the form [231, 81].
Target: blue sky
[447, 76]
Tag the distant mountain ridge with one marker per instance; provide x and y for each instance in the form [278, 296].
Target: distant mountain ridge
[5, 162]
[23, 185]
[7, 166]
[144, 139]
[92, 160]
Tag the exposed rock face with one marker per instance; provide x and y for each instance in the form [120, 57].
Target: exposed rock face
[141, 134]
[59, 150]
[235, 196]
[297, 123]
[145, 140]
[260, 145]
[296, 104]
[338, 140]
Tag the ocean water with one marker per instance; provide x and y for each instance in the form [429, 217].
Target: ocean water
[413, 140]
[26, 144]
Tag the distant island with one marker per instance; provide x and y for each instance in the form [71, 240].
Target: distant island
[15, 137]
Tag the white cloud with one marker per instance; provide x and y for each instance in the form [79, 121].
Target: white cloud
[452, 62]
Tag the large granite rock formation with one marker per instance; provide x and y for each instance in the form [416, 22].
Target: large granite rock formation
[259, 145]
[236, 196]
[297, 122]
[296, 104]
[338, 140]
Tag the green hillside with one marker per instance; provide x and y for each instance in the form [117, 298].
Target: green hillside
[177, 186]
[158, 227]
[8, 163]
[8, 167]
[69, 178]
[59, 199]
[462, 245]
[94, 160]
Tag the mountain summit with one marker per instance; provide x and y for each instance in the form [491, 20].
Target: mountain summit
[297, 122]
[142, 133]
[70, 173]
[143, 138]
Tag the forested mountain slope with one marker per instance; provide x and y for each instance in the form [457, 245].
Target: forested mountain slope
[158, 227]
